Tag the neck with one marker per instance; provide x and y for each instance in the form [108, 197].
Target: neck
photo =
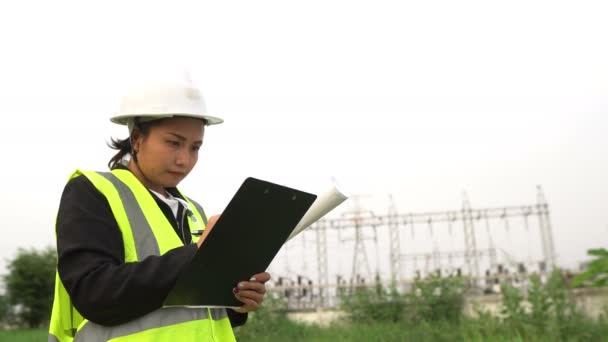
[138, 173]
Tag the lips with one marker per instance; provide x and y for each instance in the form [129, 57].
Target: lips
[177, 173]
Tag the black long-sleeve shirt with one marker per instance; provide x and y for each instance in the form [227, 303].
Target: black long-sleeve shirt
[102, 287]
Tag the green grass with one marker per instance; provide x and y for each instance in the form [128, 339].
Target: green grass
[25, 335]
[282, 329]
[260, 329]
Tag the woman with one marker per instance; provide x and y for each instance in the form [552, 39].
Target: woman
[123, 236]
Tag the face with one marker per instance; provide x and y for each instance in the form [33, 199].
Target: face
[168, 153]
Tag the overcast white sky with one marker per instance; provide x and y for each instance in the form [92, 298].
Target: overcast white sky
[421, 99]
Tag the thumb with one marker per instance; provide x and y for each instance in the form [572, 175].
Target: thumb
[212, 220]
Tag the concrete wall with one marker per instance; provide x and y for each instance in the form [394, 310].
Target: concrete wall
[593, 302]
[319, 317]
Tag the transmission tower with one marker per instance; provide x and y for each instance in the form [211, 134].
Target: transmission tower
[546, 232]
[360, 260]
[470, 245]
[322, 258]
[491, 247]
[394, 243]
[363, 221]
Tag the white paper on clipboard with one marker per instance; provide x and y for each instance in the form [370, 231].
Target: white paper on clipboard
[324, 203]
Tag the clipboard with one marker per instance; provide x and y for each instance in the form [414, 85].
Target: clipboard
[245, 239]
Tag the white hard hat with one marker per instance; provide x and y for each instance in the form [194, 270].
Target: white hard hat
[157, 99]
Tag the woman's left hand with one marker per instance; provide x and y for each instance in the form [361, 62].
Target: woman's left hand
[251, 292]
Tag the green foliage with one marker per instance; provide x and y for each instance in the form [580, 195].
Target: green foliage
[436, 299]
[548, 300]
[541, 302]
[269, 320]
[30, 285]
[547, 311]
[597, 271]
[29, 335]
[431, 311]
[430, 300]
[485, 328]
[512, 299]
[364, 304]
[3, 308]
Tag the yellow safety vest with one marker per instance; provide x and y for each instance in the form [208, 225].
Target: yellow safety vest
[145, 231]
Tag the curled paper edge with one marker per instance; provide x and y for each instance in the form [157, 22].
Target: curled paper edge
[321, 206]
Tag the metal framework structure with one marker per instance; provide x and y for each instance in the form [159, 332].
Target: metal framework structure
[468, 218]
[394, 242]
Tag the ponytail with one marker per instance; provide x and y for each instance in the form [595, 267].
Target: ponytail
[123, 146]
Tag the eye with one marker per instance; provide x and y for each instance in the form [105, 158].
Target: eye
[196, 148]
[174, 143]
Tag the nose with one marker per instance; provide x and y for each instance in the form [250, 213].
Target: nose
[182, 157]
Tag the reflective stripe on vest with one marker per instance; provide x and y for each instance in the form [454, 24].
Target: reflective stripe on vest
[145, 244]
[156, 319]
[135, 209]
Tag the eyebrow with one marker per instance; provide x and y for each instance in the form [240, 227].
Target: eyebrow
[183, 138]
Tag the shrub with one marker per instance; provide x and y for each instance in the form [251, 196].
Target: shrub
[30, 285]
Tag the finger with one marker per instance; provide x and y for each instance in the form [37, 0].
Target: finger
[240, 310]
[208, 229]
[249, 304]
[260, 277]
[258, 298]
[211, 221]
[244, 309]
[252, 286]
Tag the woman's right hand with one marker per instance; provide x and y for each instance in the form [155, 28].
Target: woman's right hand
[207, 230]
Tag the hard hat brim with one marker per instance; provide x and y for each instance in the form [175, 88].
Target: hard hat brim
[123, 119]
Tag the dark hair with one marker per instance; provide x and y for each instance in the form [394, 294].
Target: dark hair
[124, 145]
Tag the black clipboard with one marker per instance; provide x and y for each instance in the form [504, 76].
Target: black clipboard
[243, 242]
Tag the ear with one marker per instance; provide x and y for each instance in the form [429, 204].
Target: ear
[136, 139]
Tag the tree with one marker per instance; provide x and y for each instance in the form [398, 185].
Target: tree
[30, 285]
[3, 308]
[597, 270]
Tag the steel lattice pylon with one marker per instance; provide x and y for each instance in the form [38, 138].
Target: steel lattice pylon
[546, 232]
[395, 247]
[322, 258]
[470, 245]
[360, 222]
